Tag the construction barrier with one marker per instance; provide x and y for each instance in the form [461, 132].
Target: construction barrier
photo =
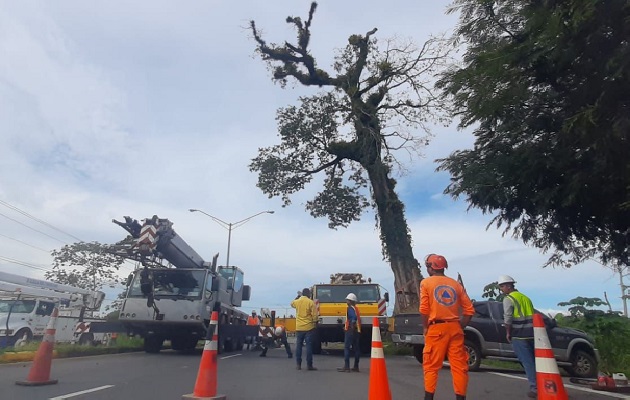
[379, 384]
[548, 379]
[206, 384]
[39, 374]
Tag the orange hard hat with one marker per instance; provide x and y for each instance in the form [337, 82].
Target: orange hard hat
[435, 261]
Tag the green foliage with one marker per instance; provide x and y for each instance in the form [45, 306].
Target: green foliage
[85, 265]
[546, 87]
[492, 292]
[581, 306]
[609, 330]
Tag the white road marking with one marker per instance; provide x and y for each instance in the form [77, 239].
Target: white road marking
[581, 388]
[230, 356]
[67, 396]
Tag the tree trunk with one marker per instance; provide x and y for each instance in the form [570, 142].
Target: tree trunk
[396, 239]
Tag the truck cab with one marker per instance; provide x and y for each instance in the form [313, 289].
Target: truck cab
[330, 300]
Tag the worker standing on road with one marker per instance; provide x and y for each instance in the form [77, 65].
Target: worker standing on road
[253, 320]
[352, 334]
[305, 322]
[518, 316]
[441, 299]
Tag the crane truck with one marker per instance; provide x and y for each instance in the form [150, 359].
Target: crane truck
[330, 300]
[26, 305]
[173, 291]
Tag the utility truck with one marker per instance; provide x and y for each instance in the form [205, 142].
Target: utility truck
[172, 293]
[26, 305]
[330, 300]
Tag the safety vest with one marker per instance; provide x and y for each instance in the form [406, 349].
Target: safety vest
[523, 316]
[253, 321]
[347, 325]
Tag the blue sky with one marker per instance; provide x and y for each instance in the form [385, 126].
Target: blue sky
[154, 107]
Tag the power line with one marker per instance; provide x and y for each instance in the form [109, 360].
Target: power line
[36, 230]
[23, 263]
[12, 207]
[24, 243]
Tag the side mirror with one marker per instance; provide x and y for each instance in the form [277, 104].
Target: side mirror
[386, 297]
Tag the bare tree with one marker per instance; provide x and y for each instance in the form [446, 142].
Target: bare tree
[371, 108]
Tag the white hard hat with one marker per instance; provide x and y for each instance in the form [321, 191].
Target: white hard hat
[352, 296]
[278, 331]
[505, 279]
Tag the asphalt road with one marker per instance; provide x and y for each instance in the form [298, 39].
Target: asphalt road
[246, 376]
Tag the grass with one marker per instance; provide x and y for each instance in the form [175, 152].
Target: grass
[124, 344]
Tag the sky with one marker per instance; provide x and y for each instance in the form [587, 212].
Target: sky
[142, 108]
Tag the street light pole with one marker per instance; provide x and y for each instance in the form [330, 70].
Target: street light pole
[229, 226]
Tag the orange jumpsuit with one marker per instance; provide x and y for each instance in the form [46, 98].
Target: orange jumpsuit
[441, 299]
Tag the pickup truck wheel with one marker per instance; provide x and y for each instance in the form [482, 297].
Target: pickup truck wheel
[474, 355]
[417, 352]
[583, 365]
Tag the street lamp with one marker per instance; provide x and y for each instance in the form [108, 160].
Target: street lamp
[229, 226]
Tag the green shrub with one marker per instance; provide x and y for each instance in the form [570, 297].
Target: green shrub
[611, 333]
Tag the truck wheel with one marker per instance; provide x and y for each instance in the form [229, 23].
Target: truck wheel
[22, 337]
[417, 352]
[153, 344]
[583, 365]
[86, 339]
[474, 355]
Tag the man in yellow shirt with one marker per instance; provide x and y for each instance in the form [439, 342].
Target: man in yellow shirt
[305, 321]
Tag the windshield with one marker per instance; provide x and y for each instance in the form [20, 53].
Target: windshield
[19, 306]
[338, 293]
[172, 282]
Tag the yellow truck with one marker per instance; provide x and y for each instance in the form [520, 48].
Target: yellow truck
[330, 300]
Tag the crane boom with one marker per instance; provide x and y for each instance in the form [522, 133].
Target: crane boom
[156, 237]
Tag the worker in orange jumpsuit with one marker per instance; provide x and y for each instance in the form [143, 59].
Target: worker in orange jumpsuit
[441, 299]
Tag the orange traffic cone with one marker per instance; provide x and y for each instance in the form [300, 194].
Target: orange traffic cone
[39, 374]
[206, 384]
[379, 385]
[548, 380]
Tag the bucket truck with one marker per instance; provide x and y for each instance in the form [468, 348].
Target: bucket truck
[172, 293]
[27, 303]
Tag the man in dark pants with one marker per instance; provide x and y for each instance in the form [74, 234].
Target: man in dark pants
[306, 319]
[352, 335]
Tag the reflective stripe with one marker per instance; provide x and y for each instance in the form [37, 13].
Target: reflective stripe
[377, 352]
[210, 345]
[541, 339]
[546, 366]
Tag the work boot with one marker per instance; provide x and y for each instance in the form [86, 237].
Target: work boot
[356, 369]
[289, 355]
[299, 367]
[460, 397]
[343, 369]
[428, 395]
[311, 368]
